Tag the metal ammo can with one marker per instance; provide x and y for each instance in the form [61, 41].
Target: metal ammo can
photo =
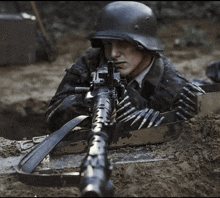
[18, 39]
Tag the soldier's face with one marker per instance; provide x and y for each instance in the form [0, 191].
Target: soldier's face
[128, 60]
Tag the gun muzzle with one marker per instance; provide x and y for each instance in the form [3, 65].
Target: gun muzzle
[96, 187]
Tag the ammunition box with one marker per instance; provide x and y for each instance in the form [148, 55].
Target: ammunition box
[18, 39]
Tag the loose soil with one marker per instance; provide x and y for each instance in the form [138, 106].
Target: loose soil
[192, 168]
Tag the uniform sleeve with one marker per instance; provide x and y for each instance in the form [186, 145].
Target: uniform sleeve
[170, 88]
[65, 104]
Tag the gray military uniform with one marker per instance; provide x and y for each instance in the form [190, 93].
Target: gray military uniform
[160, 89]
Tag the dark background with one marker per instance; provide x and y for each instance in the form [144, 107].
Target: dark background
[63, 17]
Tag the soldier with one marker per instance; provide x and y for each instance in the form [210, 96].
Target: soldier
[126, 33]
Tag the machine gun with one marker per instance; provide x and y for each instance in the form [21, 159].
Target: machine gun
[95, 170]
[102, 95]
[106, 88]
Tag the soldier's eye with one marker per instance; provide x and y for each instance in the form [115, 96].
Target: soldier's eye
[123, 42]
[108, 43]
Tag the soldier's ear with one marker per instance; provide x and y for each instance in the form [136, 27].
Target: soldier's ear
[139, 47]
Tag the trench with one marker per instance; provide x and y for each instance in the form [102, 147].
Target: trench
[23, 120]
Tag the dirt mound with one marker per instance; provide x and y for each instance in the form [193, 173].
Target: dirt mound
[8, 148]
[192, 168]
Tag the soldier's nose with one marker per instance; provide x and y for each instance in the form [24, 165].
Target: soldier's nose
[115, 51]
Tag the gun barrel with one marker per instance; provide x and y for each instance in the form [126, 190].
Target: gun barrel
[95, 169]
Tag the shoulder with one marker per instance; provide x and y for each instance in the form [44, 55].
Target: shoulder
[170, 72]
[86, 63]
[89, 60]
[93, 52]
[170, 86]
[92, 57]
[167, 63]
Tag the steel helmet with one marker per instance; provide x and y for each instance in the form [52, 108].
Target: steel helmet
[127, 20]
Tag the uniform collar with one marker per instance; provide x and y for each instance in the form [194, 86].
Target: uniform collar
[141, 76]
[154, 76]
[153, 73]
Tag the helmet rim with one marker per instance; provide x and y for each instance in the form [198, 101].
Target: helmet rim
[149, 42]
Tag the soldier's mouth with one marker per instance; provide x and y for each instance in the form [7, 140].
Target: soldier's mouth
[119, 64]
